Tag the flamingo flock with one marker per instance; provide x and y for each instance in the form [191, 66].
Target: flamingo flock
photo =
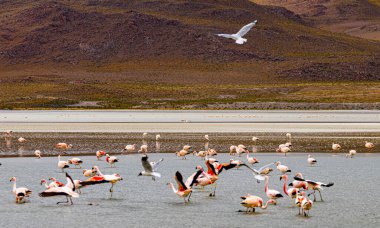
[298, 190]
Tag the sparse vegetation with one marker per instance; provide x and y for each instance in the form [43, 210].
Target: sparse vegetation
[164, 54]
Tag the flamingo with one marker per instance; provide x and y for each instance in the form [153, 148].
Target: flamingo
[315, 186]
[184, 190]
[8, 135]
[203, 179]
[158, 137]
[187, 147]
[251, 160]
[207, 138]
[215, 168]
[76, 162]
[289, 138]
[298, 201]
[143, 149]
[68, 190]
[62, 164]
[89, 172]
[271, 194]
[100, 179]
[111, 160]
[21, 140]
[182, 153]
[299, 184]
[100, 154]
[237, 163]
[78, 185]
[282, 168]
[130, 148]
[150, 167]
[233, 150]
[251, 202]
[284, 148]
[63, 146]
[336, 147]
[369, 145]
[305, 204]
[52, 184]
[211, 152]
[145, 134]
[291, 192]
[21, 193]
[311, 160]
[242, 147]
[255, 139]
[44, 182]
[202, 154]
[351, 154]
[37, 153]
[57, 183]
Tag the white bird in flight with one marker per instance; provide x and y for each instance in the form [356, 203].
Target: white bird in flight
[238, 37]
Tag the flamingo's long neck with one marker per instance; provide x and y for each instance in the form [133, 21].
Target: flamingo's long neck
[98, 171]
[14, 186]
[247, 154]
[266, 183]
[173, 188]
[285, 190]
[266, 204]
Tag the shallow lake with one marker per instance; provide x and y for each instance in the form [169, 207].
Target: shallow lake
[141, 202]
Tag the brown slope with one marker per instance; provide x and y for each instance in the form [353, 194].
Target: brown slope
[359, 18]
[123, 33]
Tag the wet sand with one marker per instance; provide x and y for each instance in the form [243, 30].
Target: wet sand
[89, 143]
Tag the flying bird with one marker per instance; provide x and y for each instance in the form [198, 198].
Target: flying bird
[238, 37]
[150, 167]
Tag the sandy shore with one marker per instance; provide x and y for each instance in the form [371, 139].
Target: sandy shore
[190, 121]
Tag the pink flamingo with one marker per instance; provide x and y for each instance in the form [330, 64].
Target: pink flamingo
[251, 202]
[291, 192]
[272, 194]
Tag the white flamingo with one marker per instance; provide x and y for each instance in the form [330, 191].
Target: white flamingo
[21, 193]
[272, 194]
[282, 168]
[101, 179]
[100, 154]
[37, 153]
[311, 160]
[111, 160]
[130, 148]
[68, 190]
[76, 162]
[369, 145]
[62, 164]
[143, 149]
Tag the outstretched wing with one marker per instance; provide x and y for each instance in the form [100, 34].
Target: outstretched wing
[265, 166]
[179, 179]
[210, 168]
[155, 164]
[145, 163]
[246, 28]
[94, 180]
[70, 183]
[195, 177]
[226, 35]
